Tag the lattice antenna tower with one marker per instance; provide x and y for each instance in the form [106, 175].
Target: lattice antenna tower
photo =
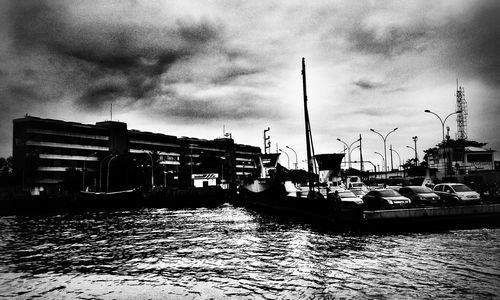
[462, 116]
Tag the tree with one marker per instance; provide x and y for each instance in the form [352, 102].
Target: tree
[410, 163]
[5, 169]
[72, 180]
[6, 177]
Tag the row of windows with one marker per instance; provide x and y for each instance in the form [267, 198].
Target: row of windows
[62, 151]
[67, 163]
[67, 140]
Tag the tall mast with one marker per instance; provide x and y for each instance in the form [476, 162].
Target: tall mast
[308, 128]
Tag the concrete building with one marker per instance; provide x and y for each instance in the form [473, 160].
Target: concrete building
[463, 163]
[109, 156]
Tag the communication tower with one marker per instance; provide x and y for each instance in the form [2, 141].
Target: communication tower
[462, 116]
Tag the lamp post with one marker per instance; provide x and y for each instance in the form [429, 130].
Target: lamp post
[381, 156]
[348, 150]
[222, 159]
[442, 130]
[415, 139]
[152, 170]
[296, 160]
[384, 138]
[350, 153]
[107, 173]
[415, 151]
[83, 171]
[399, 157]
[441, 120]
[100, 170]
[374, 166]
[287, 156]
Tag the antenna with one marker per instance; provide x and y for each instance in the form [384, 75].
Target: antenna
[111, 111]
[267, 142]
[462, 116]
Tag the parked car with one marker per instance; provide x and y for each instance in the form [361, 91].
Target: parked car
[358, 185]
[358, 192]
[420, 195]
[350, 197]
[457, 193]
[385, 199]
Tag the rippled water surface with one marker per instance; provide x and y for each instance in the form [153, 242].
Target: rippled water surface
[229, 253]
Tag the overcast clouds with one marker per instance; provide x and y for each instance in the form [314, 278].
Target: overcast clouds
[190, 67]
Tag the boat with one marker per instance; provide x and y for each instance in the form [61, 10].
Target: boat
[108, 200]
[276, 192]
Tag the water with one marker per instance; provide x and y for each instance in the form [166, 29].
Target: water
[232, 253]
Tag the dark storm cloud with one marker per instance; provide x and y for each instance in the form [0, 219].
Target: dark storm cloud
[22, 93]
[233, 72]
[234, 105]
[368, 85]
[392, 41]
[135, 56]
[101, 94]
[474, 42]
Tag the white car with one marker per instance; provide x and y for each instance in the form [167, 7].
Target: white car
[457, 193]
[358, 192]
[358, 185]
[349, 197]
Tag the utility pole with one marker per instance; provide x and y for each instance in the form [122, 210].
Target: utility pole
[415, 138]
[390, 150]
[361, 155]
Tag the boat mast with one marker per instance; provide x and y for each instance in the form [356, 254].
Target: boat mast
[308, 128]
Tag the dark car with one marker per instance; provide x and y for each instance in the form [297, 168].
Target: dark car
[420, 195]
[385, 199]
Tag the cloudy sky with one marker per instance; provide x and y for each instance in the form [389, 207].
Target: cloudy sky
[190, 68]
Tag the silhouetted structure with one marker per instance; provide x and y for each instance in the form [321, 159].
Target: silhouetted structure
[107, 156]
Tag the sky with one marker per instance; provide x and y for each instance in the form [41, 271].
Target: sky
[199, 68]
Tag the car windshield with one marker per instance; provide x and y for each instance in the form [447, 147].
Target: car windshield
[389, 193]
[347, 195]
[461, 188]
[422, 190]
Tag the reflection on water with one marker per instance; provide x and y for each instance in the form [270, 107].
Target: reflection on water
[229, 252]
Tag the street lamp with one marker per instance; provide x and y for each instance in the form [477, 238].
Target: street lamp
[152, 170]
[442, 130]
[107, 173]
[350, 152]
[83, 171]
[348, 149]
[384, 138]
[399, 157]
[374, 166]
[415, 151]
[415, 138]
[296, 160]
[383, 160]
[287, 156]
[100, 170]
[441, 120]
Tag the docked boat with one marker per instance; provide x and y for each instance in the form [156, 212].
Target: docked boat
[275, 191]
[117, 199]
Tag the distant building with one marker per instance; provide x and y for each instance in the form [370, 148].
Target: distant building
[45, 150]
[464, 163]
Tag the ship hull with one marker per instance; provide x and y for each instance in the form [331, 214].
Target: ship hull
[275, 200]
